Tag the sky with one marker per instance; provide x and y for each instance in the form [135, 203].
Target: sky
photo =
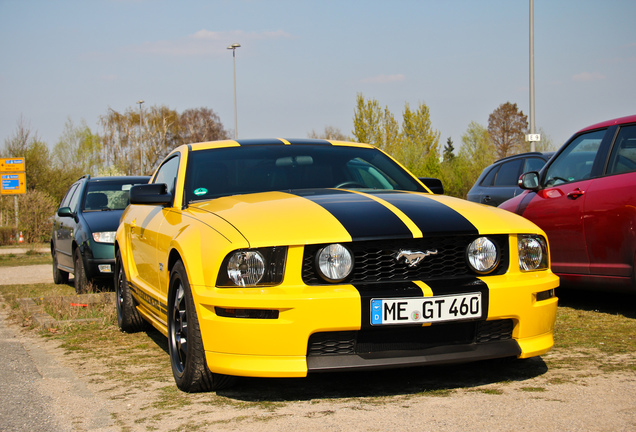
[301, 64]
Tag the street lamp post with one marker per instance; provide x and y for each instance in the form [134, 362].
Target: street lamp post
[532, 124]
[140, 101]
[140, 114]
[233, 47]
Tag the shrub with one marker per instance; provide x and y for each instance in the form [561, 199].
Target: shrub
[36, 209]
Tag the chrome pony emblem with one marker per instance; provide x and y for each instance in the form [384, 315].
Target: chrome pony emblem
[413, 258]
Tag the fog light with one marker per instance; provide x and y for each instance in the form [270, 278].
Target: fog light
[246, 313]
[105, 268]
[334, 263]
[545, 295]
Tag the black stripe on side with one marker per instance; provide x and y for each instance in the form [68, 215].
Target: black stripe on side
[382, 291]
[363, 217]
[430, 216]
[445, 287]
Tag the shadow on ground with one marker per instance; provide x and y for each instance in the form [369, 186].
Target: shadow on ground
[598, 301]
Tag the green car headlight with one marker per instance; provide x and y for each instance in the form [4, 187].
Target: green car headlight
[533, 252]
[104, 237]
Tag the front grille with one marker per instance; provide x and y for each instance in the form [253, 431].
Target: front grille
[407, 339]
[375, 261]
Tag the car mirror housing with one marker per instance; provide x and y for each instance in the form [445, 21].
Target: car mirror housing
[434, 184]
[154, 193]
[529, 181]
[65, 212]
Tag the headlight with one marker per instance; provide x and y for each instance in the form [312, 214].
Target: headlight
[334, 263]
[483, 255]
[533, 252]
[246, 268]
[253, 267]
[104, 237]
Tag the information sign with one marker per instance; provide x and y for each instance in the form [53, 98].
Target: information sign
[12, 164]
[13, 184]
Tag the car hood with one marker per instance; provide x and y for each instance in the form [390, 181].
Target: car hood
[100, 221]
[335, 215]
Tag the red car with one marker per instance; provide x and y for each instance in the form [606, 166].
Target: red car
[584, 198]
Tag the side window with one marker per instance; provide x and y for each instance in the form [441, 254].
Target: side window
[575, 163]
[167, 174]
[490, 177]
[623, 157]
[509, 173]
[75, 198]
[533, 164]
[67, 198]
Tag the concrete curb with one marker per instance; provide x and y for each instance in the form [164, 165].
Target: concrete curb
[22, 250]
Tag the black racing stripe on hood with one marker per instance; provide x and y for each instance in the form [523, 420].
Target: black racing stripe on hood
[363, 217]
[430, 216]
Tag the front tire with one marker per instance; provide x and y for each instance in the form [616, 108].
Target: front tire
[79, 273]
[187, 355]
[129, 319]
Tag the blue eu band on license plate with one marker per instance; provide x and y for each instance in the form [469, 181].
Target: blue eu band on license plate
[426, 309]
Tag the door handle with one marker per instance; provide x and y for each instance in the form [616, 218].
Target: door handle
[576, 193]
[487, 198]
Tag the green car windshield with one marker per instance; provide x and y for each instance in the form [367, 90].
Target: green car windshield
[249, 169]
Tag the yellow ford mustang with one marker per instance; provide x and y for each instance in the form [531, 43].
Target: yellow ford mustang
[277, 258]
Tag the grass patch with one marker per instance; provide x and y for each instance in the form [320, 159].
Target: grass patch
[533, 389]
[31, 257]
[611, 333]
[77, 308]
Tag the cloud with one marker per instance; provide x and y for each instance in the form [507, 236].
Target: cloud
[383, 79]
[588, 76]
[204, 42]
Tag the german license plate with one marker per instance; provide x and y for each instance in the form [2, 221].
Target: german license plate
[426, 309]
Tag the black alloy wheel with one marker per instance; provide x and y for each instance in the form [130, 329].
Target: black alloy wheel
[185, 346]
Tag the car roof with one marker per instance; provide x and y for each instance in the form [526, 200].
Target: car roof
[119, 178]
[547, 155]
[619, 120]
[273, 141]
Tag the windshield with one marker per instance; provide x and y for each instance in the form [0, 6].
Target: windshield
[102, 196]
[247, 169]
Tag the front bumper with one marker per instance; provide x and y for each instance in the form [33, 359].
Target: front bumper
[311, 317]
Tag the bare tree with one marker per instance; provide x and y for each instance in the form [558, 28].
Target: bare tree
[507, 126]
[201, 124]
[330, 133]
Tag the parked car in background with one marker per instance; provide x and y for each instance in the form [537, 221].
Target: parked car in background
[585, 200]
[499, 181]
[279, 258]
[84, 229]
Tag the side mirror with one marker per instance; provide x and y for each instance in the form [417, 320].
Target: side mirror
[65, 212]
[154, 193]
[434, 184]
[529, 181]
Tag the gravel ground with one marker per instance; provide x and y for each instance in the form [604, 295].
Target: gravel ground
[31, 274]
[78, 395]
